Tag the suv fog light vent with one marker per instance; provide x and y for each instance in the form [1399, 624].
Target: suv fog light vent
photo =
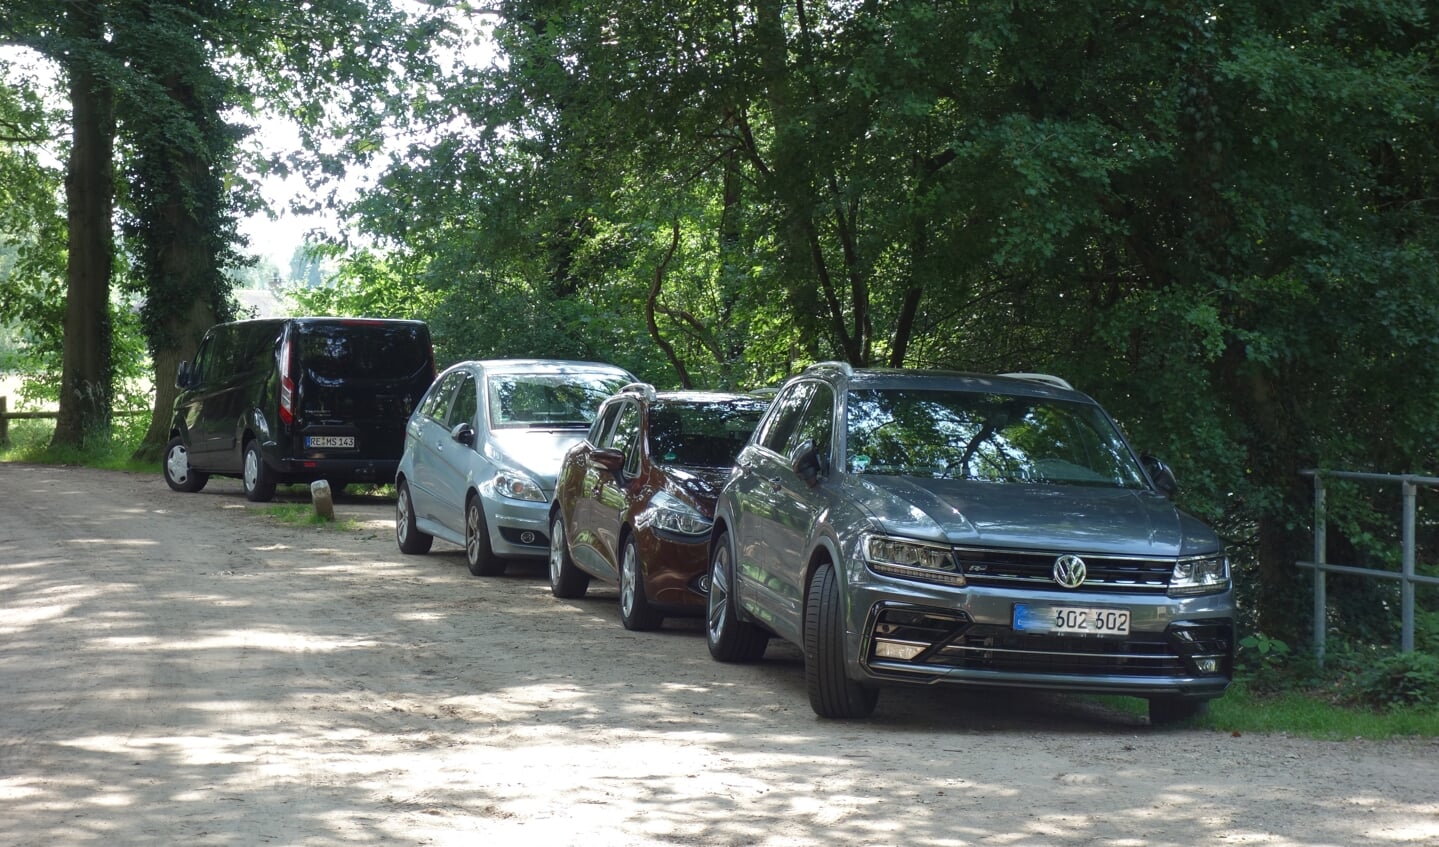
[1207, 664]
[527, 537]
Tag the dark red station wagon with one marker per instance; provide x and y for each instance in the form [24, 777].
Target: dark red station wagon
[635, 500]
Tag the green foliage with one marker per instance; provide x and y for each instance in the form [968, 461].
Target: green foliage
[30, 442]
[1403, 679]
[1300, 713]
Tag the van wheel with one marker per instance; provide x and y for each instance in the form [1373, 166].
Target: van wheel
[478, 555]
[636, 613]
[410, 539]
[178, 473]
[832, 693]
[258, 480]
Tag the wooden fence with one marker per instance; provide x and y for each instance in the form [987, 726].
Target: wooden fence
[6, 416]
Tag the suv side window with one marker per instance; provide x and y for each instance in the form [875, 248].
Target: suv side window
[816, 424]
[781, 423]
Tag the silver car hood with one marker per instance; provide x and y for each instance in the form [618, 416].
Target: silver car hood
[1023, 516]
[538, 452]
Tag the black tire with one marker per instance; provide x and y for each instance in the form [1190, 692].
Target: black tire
[636, 613]
[407, 535]
[258, 480]
[1172, 711]
[567, 581]
[832, 693]
[478, 554]
[730, 639]
[178, 473]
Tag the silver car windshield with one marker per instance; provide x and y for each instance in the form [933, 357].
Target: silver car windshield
[986, 437]
[548, 400]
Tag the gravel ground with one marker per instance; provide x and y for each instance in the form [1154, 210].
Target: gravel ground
[183, 669]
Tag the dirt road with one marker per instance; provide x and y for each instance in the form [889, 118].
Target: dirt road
[181, 669]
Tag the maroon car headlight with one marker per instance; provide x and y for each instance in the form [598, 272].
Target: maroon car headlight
[668, 513]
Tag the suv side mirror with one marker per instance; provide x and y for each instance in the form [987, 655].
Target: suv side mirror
[808, 463]
[184, 375]
[1161, 475]
[464, 433]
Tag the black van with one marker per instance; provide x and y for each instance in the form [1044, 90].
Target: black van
[287, 400]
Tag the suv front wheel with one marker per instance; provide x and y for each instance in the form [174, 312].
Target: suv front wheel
[730, 639]
[832, 693]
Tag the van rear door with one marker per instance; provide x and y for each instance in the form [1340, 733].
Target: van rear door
[356, 383]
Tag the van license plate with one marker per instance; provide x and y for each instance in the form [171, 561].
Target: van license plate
[329, 441]
[1071, 620]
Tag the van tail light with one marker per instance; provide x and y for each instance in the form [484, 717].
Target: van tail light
[287, 385]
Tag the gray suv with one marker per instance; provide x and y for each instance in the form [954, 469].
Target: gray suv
[934, 527]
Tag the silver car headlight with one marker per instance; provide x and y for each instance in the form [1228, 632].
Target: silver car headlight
[911, 560]
[1200, 575]
[669, 513]
[518, 486]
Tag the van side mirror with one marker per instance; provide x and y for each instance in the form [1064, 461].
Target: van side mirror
[464, 433]
[184, 375]
[1161, 475]
[808, 463]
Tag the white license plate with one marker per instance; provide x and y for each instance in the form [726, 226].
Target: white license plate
[1070, 620]
[329, 441]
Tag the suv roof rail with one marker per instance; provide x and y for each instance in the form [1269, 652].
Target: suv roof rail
[644, 389]
[833, 365]
[1047, 379]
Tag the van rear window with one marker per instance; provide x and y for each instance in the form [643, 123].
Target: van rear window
[376, 351]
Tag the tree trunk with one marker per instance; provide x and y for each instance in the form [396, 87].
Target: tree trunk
[86, 385]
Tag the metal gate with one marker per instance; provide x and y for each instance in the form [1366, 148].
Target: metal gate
[1406, 575]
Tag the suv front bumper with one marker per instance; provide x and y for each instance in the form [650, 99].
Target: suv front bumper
[923, 634]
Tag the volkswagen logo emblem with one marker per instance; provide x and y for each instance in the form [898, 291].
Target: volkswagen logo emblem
[1070, 571]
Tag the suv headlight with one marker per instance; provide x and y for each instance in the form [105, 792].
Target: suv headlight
[668, 513]
[1200, 575]
[911, 560]
[518, 486]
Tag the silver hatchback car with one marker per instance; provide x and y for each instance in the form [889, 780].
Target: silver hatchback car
[482, 450]
[929, 527]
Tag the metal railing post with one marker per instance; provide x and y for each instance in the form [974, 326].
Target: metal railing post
[1406, 587]
[1320, 543]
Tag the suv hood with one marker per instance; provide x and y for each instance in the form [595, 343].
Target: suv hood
[1084, 519]
[538, 452]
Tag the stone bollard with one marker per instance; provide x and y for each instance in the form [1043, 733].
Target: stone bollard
[323, 499]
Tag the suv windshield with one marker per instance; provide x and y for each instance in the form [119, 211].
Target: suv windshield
[986, 437]
[545, 399]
